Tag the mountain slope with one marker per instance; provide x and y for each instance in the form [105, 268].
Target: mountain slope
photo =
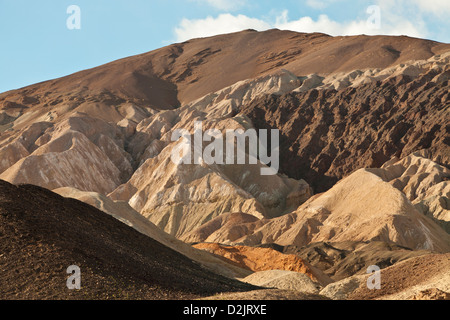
[42, 234]
[180, 73]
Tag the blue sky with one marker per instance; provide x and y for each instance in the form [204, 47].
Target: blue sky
[36, 44]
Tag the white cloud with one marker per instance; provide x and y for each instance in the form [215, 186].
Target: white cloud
[436, 7]
[403, 17]
[391, 24]
[224, 23]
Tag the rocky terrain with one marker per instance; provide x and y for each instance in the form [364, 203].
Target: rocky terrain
[330, 133]
[361, 207]
[363, 179]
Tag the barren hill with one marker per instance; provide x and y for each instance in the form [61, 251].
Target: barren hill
[180, 73]
[42, 234]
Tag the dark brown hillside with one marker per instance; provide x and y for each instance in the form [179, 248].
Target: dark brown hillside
[41, 234]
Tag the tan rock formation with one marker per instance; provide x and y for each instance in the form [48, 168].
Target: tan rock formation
[361, 207]
[425, 183]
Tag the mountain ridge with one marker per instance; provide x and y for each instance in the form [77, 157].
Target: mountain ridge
[180, 62]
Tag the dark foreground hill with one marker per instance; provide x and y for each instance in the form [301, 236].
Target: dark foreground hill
[42, 234]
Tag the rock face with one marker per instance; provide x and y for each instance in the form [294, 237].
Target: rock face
[167, 193]
[55, 163]
[327, 134]
[226, 228]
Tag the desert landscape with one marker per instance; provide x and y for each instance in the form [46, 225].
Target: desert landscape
[86, 176]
